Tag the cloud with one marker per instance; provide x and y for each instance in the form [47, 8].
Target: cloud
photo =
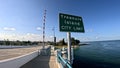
[21, 37]
[39, 28]
[9, 29]
[85, 38]
[32, 37]
[97, 37]
[89, 30]
[51, 36]
[25, 37]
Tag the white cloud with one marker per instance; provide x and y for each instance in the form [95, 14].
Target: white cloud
[51, 36]
[97, 37]
[84, 39]
[9, 29]
[89, 30]
[25, 37]
[39, 28]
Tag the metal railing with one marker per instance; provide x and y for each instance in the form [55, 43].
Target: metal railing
[63, 62]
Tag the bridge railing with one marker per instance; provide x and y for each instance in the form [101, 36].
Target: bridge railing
[64, 63]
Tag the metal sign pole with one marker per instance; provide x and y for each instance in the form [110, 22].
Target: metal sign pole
[69, 46]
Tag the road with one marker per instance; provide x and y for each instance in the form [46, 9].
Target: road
[15, 52]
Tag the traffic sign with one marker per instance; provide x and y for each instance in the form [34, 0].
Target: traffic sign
[70, 23]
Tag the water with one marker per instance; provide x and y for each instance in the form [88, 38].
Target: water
[103, 54]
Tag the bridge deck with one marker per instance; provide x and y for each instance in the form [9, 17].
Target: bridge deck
[15, 52]
[41, 62]
[48, 61]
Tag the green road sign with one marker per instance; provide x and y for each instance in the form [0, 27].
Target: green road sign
[70, 23]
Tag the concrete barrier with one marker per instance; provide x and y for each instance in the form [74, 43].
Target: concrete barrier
[17, 62]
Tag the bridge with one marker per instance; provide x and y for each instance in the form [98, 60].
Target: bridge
[32, 57]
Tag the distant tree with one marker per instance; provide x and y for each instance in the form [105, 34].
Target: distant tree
[18, 42]
[34, 43]
[77, 42]
[50, 43]
[74, 41]
[61, 42]
[1, 42]
[29, 42]
[7, 42]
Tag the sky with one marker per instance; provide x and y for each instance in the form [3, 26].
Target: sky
[23, 19]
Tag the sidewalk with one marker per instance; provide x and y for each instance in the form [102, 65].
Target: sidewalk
[48, 61]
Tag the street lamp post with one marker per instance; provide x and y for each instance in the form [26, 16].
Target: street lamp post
[54, 40]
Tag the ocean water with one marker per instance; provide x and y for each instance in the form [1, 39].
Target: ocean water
[100, 54]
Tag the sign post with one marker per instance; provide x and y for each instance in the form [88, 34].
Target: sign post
[70, 23]
[69, 47]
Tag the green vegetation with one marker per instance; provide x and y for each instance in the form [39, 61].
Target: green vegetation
[61, 43]
[74, 42]
[7, 42]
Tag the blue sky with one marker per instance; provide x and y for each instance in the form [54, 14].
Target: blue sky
[23, 19]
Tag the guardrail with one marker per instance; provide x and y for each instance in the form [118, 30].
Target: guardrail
[63, 62]
[17, 62]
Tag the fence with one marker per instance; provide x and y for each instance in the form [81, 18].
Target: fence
[64, 63]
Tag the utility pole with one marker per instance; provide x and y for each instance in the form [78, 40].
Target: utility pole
[44, 20]
[54, 40]
[53, 31]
